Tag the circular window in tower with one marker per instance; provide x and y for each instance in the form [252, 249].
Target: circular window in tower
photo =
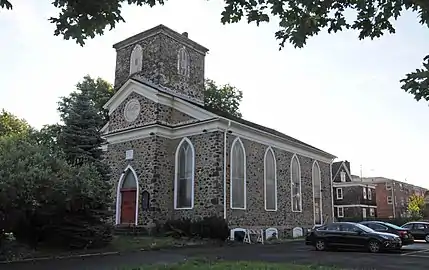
[132, 110]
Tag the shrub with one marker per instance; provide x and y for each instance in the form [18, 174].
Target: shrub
[213, 227]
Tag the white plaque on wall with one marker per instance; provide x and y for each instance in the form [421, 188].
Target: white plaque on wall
[129, 154]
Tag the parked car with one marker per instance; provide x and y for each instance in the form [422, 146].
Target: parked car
[351, 235]
[379, 226]
[419, 230]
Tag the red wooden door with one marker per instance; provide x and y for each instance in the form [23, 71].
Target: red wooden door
[128, 206]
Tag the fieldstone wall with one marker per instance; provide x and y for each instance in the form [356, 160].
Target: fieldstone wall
[208, 179]
[160, 55]
[154, 160]
[150, 113]
[142, 163]
[284, 219]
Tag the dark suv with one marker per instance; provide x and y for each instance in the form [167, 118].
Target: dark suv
[419, 230]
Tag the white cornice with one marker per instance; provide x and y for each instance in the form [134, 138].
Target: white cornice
[210, 126]
[352, 184]
[156, 96]
[355, 205]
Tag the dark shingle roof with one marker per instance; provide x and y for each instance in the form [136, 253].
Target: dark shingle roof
[232, 118]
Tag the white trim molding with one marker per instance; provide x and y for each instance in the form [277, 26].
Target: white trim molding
[352, 184]
[338, 211]
[313, 167]
[270, 150]
[119, 196]
[356, 205]
[238, 129]
[338, 195]
[237, 140]
[291, 183]
[176, 171]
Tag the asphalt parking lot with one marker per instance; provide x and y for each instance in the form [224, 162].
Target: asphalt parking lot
[415, 257]
[419, 250]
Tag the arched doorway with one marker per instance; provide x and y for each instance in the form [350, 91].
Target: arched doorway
[127, 206]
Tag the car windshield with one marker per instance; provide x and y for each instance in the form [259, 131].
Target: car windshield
[365, 228]
[393, 226]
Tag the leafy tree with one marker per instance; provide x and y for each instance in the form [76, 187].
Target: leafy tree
[10, 124]
[298, 20]
[416, 205]
[99, 92]
[45, 199]
[224, 98]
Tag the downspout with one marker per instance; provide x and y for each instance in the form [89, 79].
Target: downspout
[332, 190]
[224, 169]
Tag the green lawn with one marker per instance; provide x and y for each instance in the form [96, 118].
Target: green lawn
[201, 265]
[118, 244]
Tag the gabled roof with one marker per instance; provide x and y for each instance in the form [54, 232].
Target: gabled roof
[161, 29]
[337, 165]
[233, 118]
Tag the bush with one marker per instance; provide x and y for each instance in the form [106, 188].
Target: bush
[209, 227]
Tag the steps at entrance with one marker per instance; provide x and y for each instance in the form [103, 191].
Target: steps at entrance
[130, 230]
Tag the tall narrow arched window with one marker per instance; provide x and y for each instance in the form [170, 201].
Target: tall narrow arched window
[270, 180]
[184, 178]
[296, 185]
[183, 62]
[317, 194]
[238, 175]
[136, 59]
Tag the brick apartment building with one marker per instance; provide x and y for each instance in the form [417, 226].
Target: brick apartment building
[352, 197]
[392, 196]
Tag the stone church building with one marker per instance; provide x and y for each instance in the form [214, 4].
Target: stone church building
[172, 157]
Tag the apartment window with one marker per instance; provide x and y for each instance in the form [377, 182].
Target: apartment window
[389, 200]
[364, 212]
[388, 186]
[340, 211]
[343, 176]
[339, 193]
[402, 202]
[364, 193]
[371, 212]
[369, 194]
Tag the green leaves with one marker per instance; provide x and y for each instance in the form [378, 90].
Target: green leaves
[225, 98]
[416, 205]
[10, 124]
[299, 20]
[417, 82]
[5, 4]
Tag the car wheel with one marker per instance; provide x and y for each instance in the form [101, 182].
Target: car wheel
[427, 238]
[374, 246]
[320, 245]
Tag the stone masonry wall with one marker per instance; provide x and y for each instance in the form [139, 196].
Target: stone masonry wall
[154, 160]
[144, 154]
[160, 54]
[255, 215]
[208, 179]
[150, 113]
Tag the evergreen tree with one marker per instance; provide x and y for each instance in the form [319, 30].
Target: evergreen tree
[81, 141]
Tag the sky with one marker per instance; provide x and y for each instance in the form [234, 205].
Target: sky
[337, 93]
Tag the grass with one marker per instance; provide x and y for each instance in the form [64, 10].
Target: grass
[118, 244]
[218, 265]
